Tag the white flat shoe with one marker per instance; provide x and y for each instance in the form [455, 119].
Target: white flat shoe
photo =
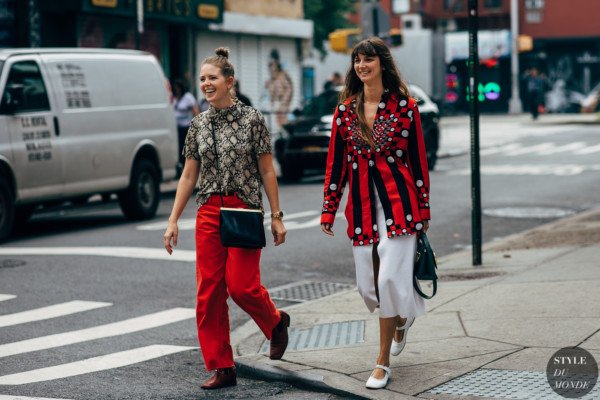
[374, 383]
[397, 347]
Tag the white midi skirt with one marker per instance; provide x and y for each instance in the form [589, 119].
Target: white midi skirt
[397, 296]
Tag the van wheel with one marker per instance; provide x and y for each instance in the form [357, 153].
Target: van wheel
[7, 210]
[140, 200]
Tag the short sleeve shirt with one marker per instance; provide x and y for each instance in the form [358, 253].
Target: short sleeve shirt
[183, 109]
[241, 137]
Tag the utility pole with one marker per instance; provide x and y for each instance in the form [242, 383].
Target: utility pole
[474, 113]
[514, 105]
[139, 22]
[34, 24]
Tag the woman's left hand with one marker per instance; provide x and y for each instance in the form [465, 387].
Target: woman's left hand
[425, 226]
[278, 231]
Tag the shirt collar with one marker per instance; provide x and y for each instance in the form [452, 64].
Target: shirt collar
[229, 114]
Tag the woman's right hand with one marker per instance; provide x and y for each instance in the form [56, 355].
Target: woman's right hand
[171, 234]
[327, 228]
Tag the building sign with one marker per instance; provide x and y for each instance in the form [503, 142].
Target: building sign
[491, 44]
[191, 11]
[267, 8]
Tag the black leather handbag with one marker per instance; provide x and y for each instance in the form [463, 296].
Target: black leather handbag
[425, 265]
[239, 227]
[242, 227]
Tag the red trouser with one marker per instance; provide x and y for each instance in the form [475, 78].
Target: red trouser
[222, 272]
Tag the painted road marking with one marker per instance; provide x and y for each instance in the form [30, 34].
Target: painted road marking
[98, 332]
[4, 297]
[101, 363]
[525, 169]
[186, 224]
[56, 310]
[541, 149]
[588, 150]
[148, 253]
[290, 220]
[11, 397]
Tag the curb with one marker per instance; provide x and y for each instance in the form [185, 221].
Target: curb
[299, 379]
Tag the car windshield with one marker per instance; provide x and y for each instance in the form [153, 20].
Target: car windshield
[322, 104]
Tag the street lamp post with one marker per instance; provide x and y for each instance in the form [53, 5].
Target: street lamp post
[514, 105]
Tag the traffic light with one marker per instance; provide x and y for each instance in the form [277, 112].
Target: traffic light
[342, 40]
[395, 37]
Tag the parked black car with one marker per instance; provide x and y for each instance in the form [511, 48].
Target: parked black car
[303, 143]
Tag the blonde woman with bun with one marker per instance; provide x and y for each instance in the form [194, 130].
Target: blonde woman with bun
[243, 145]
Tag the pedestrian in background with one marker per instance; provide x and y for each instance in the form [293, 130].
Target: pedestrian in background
[535, 92]
[240, 96]
[184, 104]
[243, 146]
[377, 146]
[280, 88]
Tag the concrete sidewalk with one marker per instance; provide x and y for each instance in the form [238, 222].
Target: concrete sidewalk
[489, 332]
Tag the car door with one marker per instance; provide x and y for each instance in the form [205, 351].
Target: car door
[30, 123]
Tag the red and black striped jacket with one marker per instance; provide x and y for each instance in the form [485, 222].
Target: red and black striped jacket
[396, 168]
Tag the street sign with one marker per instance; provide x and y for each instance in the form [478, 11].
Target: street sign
[375, 21]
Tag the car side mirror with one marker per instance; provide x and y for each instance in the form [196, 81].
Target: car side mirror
[297, 112]
[13, 98]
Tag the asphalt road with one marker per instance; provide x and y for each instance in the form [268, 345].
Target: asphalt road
[134, 306]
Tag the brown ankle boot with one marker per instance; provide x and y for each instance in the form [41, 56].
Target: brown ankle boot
[279, 337]
[223, 377]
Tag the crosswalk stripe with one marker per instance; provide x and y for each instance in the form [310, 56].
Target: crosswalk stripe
[11, 397]
[98, 332]
[559, 149]
[148, 253]
[186, 224]
[588, 150]
[53, 311]
[95, 364]
[6, 297]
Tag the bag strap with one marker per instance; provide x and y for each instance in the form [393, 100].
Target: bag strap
[423, 237]
[212, 132]
[416, 286]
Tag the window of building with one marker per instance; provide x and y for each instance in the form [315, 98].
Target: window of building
[25, 89]
[454, 5]
[492, 3]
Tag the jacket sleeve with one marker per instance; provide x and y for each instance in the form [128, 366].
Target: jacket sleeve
[335, 174]
[417, 160]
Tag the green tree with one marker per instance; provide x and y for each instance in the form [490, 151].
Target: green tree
[327, 15]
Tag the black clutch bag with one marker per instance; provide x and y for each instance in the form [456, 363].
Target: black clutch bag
[425, 265]
[239, 227]
[242, 227]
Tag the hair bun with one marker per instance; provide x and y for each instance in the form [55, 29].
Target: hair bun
[223, 52]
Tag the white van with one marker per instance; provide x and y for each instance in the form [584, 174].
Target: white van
[79, 122]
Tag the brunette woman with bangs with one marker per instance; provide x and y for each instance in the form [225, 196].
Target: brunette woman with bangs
[377, 146]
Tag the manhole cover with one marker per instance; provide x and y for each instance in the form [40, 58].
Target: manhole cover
[338, 334]
[528, 212]
[304, 291]
[11, 263]
[468, 276]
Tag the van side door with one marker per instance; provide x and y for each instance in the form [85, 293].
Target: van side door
[26, 108]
